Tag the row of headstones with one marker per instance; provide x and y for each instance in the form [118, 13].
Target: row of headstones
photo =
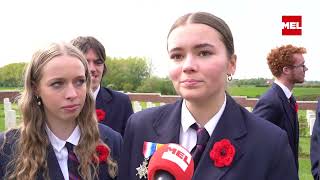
[137, 105]
[311, 117]
[9, 114]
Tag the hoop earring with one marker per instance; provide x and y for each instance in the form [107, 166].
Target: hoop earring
[38, 101]
[229, 77]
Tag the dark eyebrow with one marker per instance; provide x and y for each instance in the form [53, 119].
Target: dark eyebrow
[84, 77]
[56, 79]
[198, 46]
[176, 49]
[63, 79]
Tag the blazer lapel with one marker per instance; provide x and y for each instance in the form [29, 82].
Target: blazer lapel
[286, 105]
[53, 165]
[103, 97]
[231, 126]
[167, 125]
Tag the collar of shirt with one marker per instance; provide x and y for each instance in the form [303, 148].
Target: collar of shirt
[58, 143]
[95, 93]
[187, 119]
[284, 88]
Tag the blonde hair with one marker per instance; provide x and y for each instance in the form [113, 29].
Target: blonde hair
[31, 152]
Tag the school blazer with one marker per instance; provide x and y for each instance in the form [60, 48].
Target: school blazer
[315, 146]
[275, 107]
[110, 137]
[262, 149]
[117, 107]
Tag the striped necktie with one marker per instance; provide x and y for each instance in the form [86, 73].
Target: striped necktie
[73, 163]
[202, 139]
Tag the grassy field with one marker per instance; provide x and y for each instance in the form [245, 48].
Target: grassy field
[255, 92]
[1, 118]
[304, 159]
[9, 88]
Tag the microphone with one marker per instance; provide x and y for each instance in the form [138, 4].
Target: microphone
[171, 162]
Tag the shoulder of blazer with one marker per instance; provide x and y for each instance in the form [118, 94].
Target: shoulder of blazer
[112, 138]
[8, 142]
[107, 133]
[108, 94]
[9, 138]
[279, 91]
[273, 97]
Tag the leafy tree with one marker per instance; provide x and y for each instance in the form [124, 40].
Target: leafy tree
[126, 74]
[11, 75]
[156, 84]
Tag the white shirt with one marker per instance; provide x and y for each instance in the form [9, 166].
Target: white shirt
[188, 136]
[284, 88]
[95, 93]
[60, 150]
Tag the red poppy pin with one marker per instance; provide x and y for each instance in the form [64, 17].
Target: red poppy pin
[100, 114]
[103, 153]
[296, 107]
[222, 153]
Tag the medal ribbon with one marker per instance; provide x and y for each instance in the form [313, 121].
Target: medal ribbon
[149, 148]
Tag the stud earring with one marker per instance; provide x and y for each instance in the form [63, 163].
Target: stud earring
[229, 77]
[38, 100]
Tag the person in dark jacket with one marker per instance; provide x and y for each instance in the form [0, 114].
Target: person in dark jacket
[113, 107]
[278, 105]
[59, 137]
[225, 140]
[315, 146]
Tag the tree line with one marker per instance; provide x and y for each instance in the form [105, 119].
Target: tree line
[132, 74]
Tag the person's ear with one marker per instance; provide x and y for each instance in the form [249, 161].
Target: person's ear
[35, 88]
[286, 70]
[232, 65]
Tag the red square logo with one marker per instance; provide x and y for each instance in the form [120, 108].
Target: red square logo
[292, 25]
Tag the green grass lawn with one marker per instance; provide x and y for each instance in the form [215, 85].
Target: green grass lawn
[249, 91]
[304, 159]
[305, 169]
[255, 92]
[1, 117]
[10, 88]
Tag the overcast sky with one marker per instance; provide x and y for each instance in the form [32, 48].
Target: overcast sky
[139, 28]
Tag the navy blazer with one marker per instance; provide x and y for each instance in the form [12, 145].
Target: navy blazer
[109, 136]
[117, 106]
[262, 149]
[275, 107]
[315, 145]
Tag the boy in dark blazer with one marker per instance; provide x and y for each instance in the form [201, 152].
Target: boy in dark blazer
[114, 107]
[278, 104]
[225, 140]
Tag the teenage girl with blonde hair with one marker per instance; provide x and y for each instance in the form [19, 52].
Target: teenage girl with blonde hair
[57, 108]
